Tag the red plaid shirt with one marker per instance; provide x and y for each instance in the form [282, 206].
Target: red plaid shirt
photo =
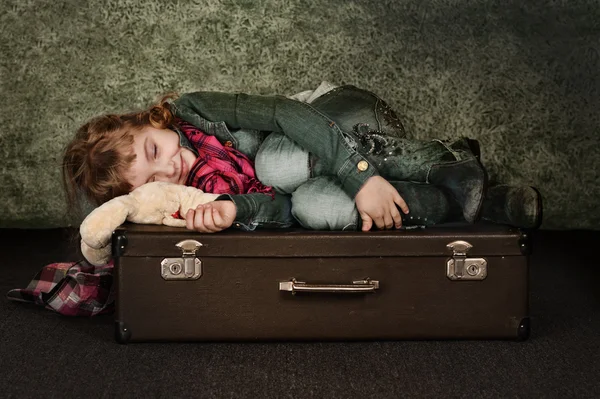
[71, 289]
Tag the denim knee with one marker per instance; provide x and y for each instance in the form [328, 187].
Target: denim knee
[282, 164]
[322, 204]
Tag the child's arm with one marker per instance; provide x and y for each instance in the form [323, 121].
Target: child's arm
[249, 211]
[302, 123]
[211, 218]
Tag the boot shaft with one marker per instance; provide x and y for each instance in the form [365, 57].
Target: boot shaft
[428, 204]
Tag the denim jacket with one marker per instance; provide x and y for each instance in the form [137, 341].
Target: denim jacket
[326, 128]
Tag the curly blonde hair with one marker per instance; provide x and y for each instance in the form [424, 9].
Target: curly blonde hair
[95, 161]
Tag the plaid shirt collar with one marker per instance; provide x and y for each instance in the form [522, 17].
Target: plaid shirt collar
[218, 169]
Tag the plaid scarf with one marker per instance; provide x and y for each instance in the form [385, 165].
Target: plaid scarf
[220, 169]
[70, 288]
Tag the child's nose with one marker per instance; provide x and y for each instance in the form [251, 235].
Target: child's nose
[168, 170]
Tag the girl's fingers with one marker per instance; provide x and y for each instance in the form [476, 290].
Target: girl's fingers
[397, 220]
[208, 220]
[189, 219]
[379, 222]
[396, 217]
[199, 220]
[367, 222]
[388, 220]
[401, 203]
[219, 222]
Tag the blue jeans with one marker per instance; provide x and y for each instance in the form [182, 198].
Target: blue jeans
[318, 201]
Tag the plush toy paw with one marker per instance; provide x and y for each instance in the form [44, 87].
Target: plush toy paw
[151, 203]
[95, 256]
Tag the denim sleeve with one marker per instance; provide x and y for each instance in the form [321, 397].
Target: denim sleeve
[261, 210]
[311, 129]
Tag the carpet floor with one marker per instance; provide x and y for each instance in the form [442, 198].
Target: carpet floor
[43, 354]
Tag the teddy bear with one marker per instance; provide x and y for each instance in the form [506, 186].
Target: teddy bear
[151, 203]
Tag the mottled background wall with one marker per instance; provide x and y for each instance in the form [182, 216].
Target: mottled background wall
[520, 76]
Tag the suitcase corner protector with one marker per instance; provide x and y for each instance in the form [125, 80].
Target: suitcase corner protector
[525, 243]
[122, 332]
[119, 243]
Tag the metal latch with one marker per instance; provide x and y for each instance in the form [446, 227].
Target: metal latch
[459, 267]
[188, 267]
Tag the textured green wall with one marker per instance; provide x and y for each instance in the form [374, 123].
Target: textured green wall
[522, 78]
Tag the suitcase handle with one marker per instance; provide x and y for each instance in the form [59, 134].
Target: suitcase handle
[357, 287]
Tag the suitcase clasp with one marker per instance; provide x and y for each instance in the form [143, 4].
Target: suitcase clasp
[459, 267]
[188, 267]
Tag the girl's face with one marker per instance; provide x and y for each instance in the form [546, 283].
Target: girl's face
[159, 157]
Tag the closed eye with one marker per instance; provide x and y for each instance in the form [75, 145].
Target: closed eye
[155, 151]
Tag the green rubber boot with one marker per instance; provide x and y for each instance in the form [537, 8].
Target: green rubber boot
[427, 204]
[452, 166]
[517, 206]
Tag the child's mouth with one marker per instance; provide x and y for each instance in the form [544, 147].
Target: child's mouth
[183, 170]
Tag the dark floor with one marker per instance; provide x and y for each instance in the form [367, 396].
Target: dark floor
[43, 354]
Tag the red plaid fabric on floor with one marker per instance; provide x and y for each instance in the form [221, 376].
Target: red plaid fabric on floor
[71, 289]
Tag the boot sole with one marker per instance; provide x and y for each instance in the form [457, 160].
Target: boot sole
[484, 187]
[475, 148]
[540, 210]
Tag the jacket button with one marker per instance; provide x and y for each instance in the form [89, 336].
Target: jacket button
[228, 144]
[362, 166]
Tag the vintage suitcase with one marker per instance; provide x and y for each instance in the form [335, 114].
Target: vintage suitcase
[468, 282]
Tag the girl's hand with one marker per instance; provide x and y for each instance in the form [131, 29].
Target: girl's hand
[376, 202]
[211, 217]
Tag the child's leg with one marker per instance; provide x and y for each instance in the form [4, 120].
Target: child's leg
[452, 166]
[322, 204]
[283, 164]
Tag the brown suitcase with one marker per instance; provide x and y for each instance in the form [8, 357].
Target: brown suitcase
[436, 283]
